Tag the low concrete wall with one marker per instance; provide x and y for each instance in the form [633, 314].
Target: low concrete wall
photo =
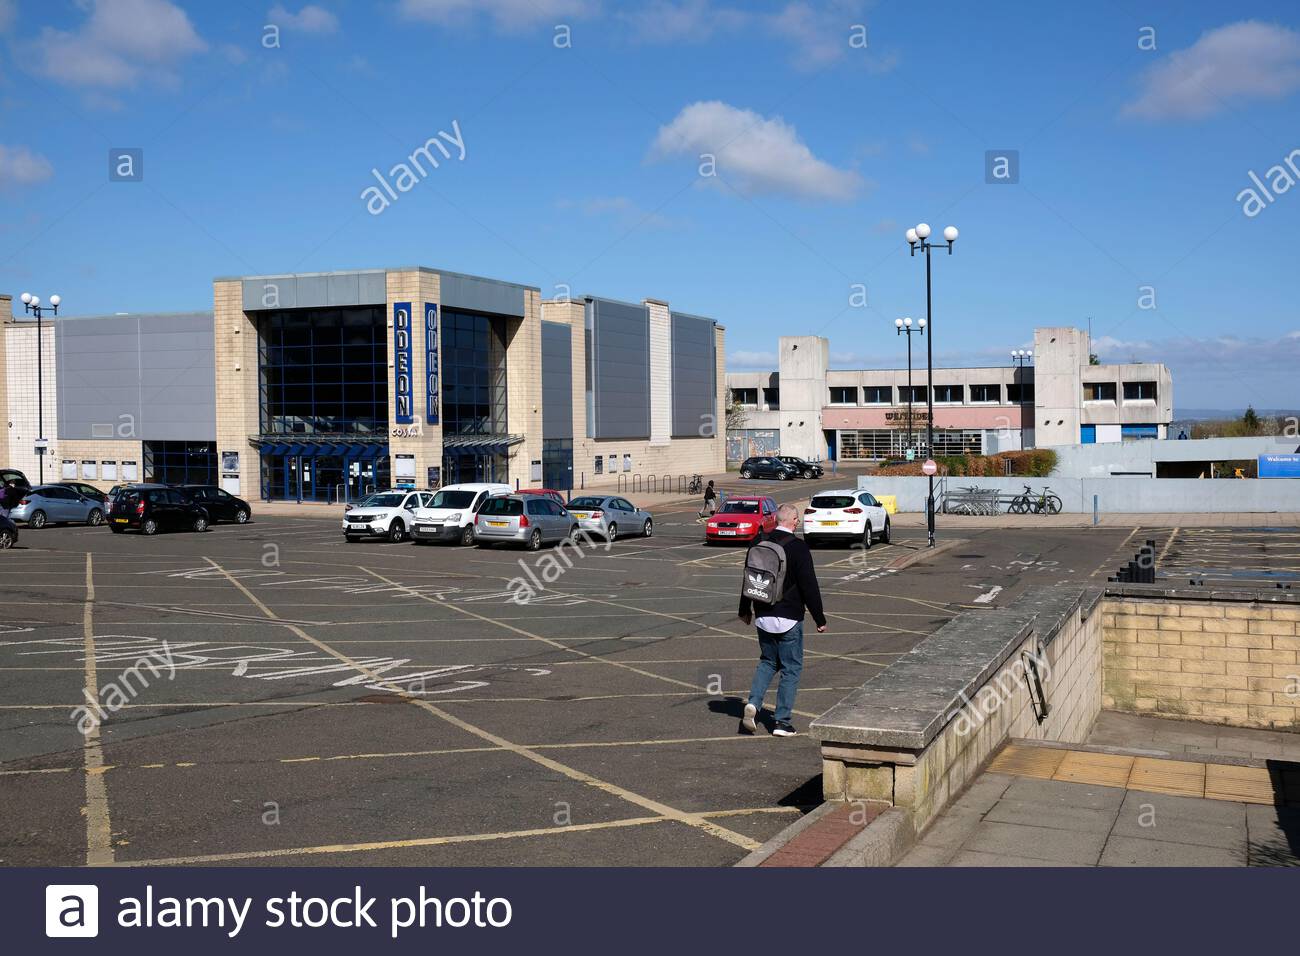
[923, 728]
[1116, 495]
[1098, 461]
[1225, 657]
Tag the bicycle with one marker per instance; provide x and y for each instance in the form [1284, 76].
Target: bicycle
[696, 486]
[1043, 502]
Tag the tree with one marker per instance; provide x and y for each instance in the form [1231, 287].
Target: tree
[1250, 421]
[1093, 359]
[737, 416]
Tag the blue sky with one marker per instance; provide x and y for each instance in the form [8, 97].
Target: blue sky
[834, 126]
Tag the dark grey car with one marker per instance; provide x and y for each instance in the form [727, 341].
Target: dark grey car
[528, 520]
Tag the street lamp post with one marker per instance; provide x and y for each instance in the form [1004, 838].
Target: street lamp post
[1022, 357]
[918, 237]
[905, 327]
[32, 306]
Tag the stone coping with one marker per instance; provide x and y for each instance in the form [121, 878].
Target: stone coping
[906, 705]
[1160, 592]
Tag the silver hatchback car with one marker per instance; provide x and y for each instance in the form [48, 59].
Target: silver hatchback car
[528, 520]
[56, 504]
[610, 516]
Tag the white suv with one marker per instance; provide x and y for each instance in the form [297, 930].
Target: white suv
[385, 514]
[449, 515]
[852, 516]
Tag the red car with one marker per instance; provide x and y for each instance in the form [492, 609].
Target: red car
[545, 492]
[741, 519]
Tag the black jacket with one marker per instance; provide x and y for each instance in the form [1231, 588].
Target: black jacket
[801, 590]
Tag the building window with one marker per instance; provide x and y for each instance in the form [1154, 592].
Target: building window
[844, 395]
[948, 393]
[772, 398]
[1139, 391]
[473, 374]
[878, 443]
[1139, 432]
[1017, 393]
[323, 371]
[878, 395]
[1099, 392]
[745, 396]
[557, 463]
[917, 391]
[180, 462]
[990, 394]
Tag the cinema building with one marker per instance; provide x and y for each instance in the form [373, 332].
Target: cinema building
[322, 386]
[805, 408]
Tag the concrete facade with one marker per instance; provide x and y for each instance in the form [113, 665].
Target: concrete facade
[23, 412]
[864, 414]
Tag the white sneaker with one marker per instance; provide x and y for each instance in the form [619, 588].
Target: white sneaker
[747, 720]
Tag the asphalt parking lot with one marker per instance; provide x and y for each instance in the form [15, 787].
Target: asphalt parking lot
[321, 703]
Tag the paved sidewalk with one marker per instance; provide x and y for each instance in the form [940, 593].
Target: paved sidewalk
[1289, 519]
[1045, 806]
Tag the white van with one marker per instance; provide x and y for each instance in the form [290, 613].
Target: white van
[449, 516]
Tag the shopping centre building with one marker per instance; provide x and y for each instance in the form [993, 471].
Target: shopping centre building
[1058, 397]
[322, 386]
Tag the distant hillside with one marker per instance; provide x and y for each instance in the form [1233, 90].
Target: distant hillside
[1216, 414]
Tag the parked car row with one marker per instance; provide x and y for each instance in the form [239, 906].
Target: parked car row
[141, 506]
[846, 517]
[485, 514]
[780, 467]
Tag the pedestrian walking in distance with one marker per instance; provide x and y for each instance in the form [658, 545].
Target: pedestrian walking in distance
[779, 586]
[710, 501]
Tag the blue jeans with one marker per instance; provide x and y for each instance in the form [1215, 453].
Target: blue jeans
[784, 653]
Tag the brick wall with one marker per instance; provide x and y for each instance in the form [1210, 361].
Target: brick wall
[1060, 625]
[236, 361]
[1225, 662]
[98, 451]
[20, 381]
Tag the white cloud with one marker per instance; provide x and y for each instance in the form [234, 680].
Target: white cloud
[19, 166]
[755, 154]
[689, 21]
[1238, 62]
[121, 41]
[310, 19]
[505, 14]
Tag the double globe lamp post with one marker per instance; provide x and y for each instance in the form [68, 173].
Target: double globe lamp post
[918, 237]
[905, 327]
[32, 306]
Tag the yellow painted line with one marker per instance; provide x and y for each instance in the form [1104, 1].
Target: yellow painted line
[1119, 550]
[662, 809]
[1168, 544]
[99, 828]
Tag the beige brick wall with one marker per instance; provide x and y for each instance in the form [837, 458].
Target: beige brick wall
[416, 287]
[99, 451]
[1222, 662]
[524, 387]
[680, 456]
[6, 317]
[235, 338]
[23, 414]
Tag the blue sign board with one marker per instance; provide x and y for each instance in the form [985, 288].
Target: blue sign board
[431, 362]
[1279, 466]
[403, 366]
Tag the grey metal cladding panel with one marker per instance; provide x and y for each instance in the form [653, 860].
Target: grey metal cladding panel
[481, 295]
[343, 290]
[622, 370]
[279, 292]
[557, 381]
[372, 288]
[312, 292]
[694, 372]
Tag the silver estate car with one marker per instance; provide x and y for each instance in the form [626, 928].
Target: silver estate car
[55, 504]
[610, 516]
[528, 520]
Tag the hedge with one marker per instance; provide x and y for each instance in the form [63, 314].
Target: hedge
[1035, 463]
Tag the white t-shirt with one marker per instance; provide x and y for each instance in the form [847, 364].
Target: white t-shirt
[774, 625]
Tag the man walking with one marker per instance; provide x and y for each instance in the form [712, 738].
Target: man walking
[710, 501]
[780, 624]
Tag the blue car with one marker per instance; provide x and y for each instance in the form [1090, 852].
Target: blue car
[56, 504]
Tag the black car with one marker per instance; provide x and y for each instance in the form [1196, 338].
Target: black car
[806, 469]
[153, 508]
[85, 490]
[8, 533]
[767, 467]
[221, 505]
[17, 477]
